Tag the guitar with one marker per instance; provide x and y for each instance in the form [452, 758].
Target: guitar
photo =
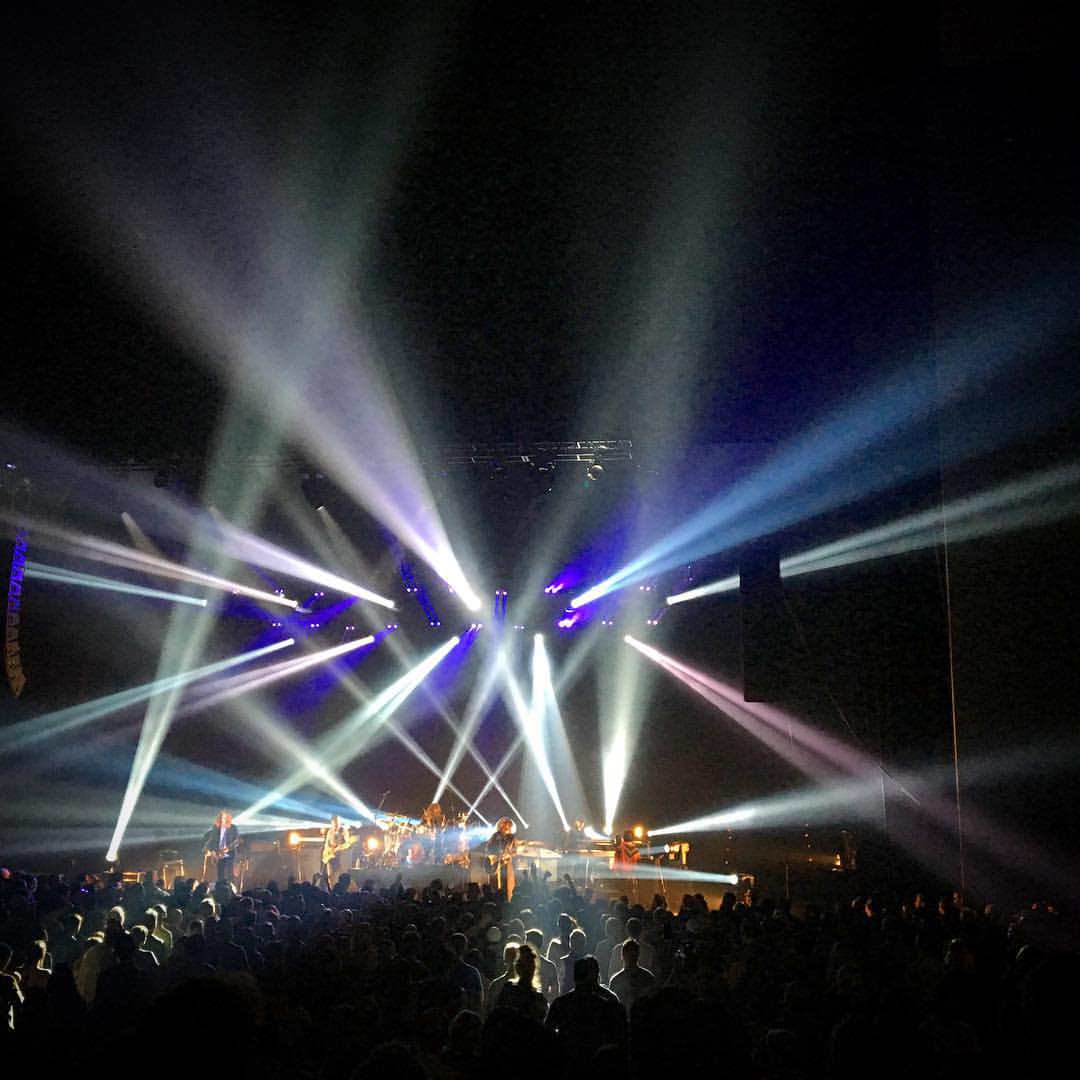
[497, 859]
[214, 854]
[331, 848]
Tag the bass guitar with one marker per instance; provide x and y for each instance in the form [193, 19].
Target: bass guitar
[333, 847]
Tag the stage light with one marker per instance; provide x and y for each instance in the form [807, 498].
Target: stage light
[1021, 503]
[62, 576]
[1046, 496]
[156, 723]
[710, 823]
[372, 844]
[27, 732]
[595, 471]
[588, 596]
[563, 759]
[881, 437]
[230, 687]
[349, 737]
[271, 730]
[808, 749]
[294, 839]
[728, 584]
[105, 551]
[530, 718]
[623, 692]
[464, 735]
[469, 598]
[639, 832]
[492, 779]
[138, 537]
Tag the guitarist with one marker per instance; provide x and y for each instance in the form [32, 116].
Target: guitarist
[220, 844]
[336, 843]
[501, 847]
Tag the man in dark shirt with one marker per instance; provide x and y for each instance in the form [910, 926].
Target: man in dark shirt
[589, 1016]
[464, 976]
[633, 981]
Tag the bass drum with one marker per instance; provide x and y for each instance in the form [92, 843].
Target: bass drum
[416, 850]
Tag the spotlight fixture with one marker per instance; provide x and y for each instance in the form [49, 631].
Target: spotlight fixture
[595, 471]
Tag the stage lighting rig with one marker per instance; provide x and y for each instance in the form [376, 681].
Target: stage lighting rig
[412, 586]
[542, 457]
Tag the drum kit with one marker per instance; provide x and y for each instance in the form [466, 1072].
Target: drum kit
[434, 840]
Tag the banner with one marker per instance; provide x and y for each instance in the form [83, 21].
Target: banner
[12, 652]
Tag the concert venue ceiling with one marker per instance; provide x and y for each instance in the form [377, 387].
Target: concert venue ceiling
[799, 281]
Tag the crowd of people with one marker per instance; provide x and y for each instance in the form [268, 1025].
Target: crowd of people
[438, 984]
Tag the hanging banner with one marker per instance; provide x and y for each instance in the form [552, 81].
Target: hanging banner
[16, 677]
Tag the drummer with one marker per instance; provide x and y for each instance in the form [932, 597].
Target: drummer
[433, 823]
